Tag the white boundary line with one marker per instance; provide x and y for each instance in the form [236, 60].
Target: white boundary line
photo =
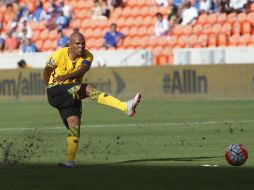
[132, 125]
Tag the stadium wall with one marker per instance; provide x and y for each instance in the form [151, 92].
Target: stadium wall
[109, 58]
[165, 82]
[218, 55]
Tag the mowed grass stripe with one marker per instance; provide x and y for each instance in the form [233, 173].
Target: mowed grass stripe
[133, 125]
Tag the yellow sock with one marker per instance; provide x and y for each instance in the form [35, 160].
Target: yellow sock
[72, 147]
[105, 99]
[72, 142]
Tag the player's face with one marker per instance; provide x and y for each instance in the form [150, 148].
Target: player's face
[78, 45]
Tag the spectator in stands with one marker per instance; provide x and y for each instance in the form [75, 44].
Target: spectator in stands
[97, 11]
[39, 13]
[22, 64]
[10, 12]
[66, 9]
[172, 12]
[105, 8]
[2, 37]
[161, 3]
[112, 38]
[24, 29]
[161, 27]
[75, 29]
[189, 14]
[238, 5]
[62, 21]
[28, 46]
[116, 3]
[224, 7]
[21, 9]
[53, 7]
[51, 19]
[204, 6]
[11, 43]
[62, 40]
[23, 35]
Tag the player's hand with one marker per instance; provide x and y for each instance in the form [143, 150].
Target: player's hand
[60, 79]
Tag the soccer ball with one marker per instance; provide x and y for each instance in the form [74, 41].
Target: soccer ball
[236, 154]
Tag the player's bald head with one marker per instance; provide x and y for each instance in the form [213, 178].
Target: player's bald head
[77, 44]
[76, 35]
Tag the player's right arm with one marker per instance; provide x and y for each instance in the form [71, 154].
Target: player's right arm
[51, 64]
[46, 74]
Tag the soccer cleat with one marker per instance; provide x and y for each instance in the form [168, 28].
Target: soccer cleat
[68, 164]
[132, 104]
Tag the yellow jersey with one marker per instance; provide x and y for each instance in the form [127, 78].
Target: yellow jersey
[62, 65]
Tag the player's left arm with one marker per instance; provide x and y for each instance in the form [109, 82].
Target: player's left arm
[80, 72]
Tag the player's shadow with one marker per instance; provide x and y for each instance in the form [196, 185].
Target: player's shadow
[179, 159]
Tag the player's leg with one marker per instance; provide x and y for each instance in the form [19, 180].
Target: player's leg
[129, 107]
[72, 139]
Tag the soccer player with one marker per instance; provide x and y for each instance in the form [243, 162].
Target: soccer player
[63, 75]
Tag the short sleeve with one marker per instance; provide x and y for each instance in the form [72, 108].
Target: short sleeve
[53, 60]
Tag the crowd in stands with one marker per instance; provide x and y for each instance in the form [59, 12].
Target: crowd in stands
[20, 20]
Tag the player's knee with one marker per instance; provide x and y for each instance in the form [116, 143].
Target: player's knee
[73, 121]
[89, 88]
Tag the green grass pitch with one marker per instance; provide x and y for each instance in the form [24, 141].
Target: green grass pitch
[163, 147]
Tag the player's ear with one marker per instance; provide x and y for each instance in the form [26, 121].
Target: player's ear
[68, 43]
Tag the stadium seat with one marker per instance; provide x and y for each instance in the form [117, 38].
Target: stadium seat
[187, 30]
[251, 7]
[231, 17]
[241, 17]
[236, 28]
[142, 31]
[226, 28]
[192, 40]
[207, 28]
[76, 23]
[212, 41]
[148, 21]
[162, 59]
[244, 40]
[39, 44]
[130, 21]
[202, 19]
[44, 34]
[133, 31]
[202, 40]
[138, 21]
[178, 30]
[173, 40]
[234, 40]
[251, 42]
[125, 30]
[222, 40]
[216, 28]
[182, 41]
[222, 17]
[197, 29]
[52, 34]
[82, 15]
[36, 35]
[212, 18]
[246, 27]
[49, 45]
[144, 11]
[250, 17]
